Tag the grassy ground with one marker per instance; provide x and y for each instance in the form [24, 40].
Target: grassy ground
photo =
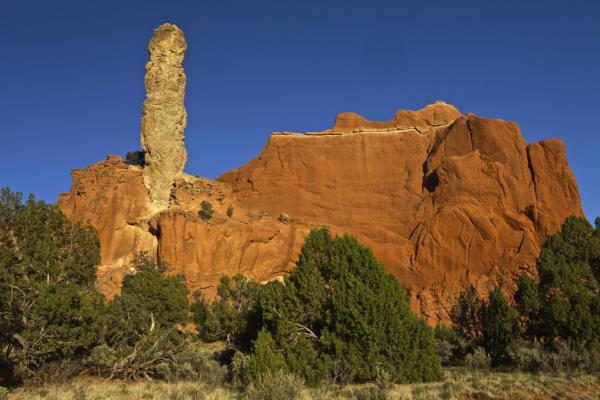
[456, 384]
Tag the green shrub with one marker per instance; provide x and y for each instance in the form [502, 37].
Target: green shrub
[3, 393]
[144, 322]
[230, 211]
[465, 315]
[531, 357]
[206, 210]
[340, 315]
[199, 309]
[449, 346]
[479, 359]
[265, 359]
[370, 393]
[135, 158]
[193, 362]
[500, 326]
[276, 386]
[232, 316]
[492, 324]
[240, 372]
[49, 309]
[148, 301]
[565, 304]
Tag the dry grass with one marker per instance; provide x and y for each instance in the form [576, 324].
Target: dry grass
[457, 384]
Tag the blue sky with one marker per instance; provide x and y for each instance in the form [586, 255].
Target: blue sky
[71, 75]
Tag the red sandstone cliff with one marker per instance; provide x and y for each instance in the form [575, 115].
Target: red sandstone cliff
[442, 199]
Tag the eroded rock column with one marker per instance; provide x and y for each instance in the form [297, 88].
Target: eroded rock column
[164, 117]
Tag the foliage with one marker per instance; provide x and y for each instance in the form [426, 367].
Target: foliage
[265, 358]
[340, 316]
[449, 345]
[565, 304]
[230, 211]
[135, 158]
[48, 307]
[231, 317]
[465, 315]
[499, 326]
[276, 386]
[145, 320]
[478, 359]
[492, 324]
[206, 210]
[199, 309]
[148, 301]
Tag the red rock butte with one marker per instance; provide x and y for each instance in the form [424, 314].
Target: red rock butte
[443, 199]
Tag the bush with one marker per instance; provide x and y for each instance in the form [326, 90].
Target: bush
[370, 393]
[479, 359]
[49, 309]
[276, 386]
[206, 210]
[500, 326]
[491, 324]
[230, 211]
[240, 373]
[465, 315]
[265, 359]
[531, 357]
[340, 316]
[135, 158]
[232, 316]
[148, 301]
[3, 393]
[565, 304]
[144, 323]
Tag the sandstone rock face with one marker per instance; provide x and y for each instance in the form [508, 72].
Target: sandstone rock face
[112, 197]
[164, 115]
[444, 200]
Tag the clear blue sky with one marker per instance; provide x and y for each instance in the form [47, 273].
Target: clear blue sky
[71, 75]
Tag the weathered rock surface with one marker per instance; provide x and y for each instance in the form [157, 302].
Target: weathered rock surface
[164, 117]
[112, 197]
[443, 199]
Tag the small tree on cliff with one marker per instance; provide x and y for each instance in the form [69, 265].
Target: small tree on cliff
[340, 316]
[206, 210]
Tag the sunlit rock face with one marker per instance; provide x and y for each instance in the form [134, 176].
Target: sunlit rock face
[443, 199]
[164, 117]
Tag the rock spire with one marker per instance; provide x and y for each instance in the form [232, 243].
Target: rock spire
[164, 117]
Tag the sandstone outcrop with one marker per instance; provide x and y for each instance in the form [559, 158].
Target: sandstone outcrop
[164, 117]
[443, 199]
[112, 197]
[461, 200]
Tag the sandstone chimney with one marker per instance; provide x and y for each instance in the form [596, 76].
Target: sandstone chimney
[164, 117]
